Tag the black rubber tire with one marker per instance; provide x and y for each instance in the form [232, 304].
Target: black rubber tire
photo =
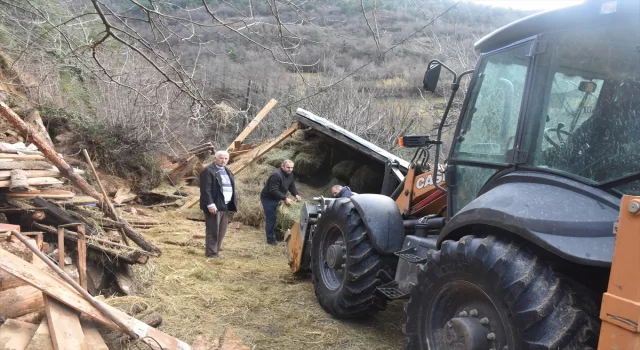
[354, 295]
[538, 308]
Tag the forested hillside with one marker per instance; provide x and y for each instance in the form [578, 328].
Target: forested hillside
[131, 78]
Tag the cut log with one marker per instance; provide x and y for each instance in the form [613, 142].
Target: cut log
[41, 340]
[27, 165]
[32, 317]
[62, 216]
[18, 181]
[152, 318]
[8, 281]
[16, 335]
[53, 287]
[35, 121]
[36, 181]
[92, 338]
[20, 301]
[64, 325]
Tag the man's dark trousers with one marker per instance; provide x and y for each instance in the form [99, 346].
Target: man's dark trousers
[270, 207]
[216, 226]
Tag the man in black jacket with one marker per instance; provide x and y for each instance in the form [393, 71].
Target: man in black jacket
[275, 190]
[217, 199]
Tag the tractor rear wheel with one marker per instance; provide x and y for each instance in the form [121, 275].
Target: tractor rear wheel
[489, 293]
[346, 269]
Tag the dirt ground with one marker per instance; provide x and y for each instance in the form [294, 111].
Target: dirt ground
[250, 290]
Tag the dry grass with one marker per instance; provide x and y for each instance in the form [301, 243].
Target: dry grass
[251, 290]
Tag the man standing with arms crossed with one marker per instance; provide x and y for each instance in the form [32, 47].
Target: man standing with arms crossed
[217, 199]
[275, 190]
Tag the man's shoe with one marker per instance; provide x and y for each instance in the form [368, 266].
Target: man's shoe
[217, 256]
[272, 243]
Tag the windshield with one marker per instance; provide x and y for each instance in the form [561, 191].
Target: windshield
[589, 112]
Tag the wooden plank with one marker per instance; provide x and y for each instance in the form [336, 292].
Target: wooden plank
[36, 181]
[21, 156]
[92, 338]
[53, 172]
[82, 257]
[19, 301]
[262, 150]
[247, 146]
[42, 194]
[64, 326]
[155, 338]
[15, 335]
[253, 124]
[41, 340]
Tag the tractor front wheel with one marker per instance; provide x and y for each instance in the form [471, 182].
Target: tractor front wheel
[490, 293]
[346, 269]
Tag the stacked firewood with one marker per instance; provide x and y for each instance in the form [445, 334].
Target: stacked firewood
[26, 173]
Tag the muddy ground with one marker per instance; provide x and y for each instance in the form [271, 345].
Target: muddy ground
[250, 290]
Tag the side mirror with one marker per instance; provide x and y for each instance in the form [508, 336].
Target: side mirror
[431, 77]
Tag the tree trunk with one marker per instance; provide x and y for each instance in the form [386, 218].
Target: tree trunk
[68, 173]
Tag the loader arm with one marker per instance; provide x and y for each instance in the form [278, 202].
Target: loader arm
[620, 311]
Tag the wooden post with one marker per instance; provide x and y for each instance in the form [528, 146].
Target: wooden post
[82, 256]
[61, 247]
[112, 211]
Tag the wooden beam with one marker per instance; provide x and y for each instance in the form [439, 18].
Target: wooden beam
[62, 292]
[64, 326]
[35, 181]
[52, 194]
[253, 124]
[82, 257]
[21, 156]
[260, 151]
[29, 165]
[41, 340]
[16, 335]
[92, 338]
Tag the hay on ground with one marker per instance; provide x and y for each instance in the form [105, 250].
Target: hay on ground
[249, 183]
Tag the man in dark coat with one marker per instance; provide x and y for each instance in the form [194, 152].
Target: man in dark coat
[339, 191]
[217, 199]
[275, 190]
